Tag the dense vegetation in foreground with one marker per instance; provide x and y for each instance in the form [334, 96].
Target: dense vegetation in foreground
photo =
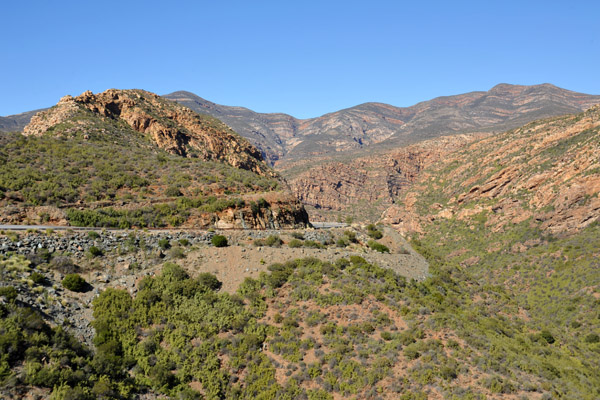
[510, 309]
[308, 329]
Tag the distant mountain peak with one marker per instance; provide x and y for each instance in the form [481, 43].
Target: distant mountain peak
[283, 137]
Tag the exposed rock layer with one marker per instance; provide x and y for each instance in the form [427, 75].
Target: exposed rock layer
[283, 137]
[367, 186]
[547, 171]
[172, 127]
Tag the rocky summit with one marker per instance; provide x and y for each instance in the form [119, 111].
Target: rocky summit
[173, 128]
[126, 158]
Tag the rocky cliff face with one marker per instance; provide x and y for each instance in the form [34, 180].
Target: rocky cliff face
[282, 137]
[268, 132]
[547, 172]
[365, 187]
[171, 127]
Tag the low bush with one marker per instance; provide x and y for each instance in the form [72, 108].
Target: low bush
[298, 235]
[8, 292]
[592, 338]
[219, 241]
[295, 243]
[271, 241]
[74, 283]
[64, 264]
[177, 252]
[378, 246]
[94, 251]
[351, 235]
[342, 242]
[209, 280]
[37, 278]
[173, 191]
[373, 232]
[547, 336]
[313, 244]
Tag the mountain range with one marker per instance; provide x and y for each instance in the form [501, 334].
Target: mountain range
[284, 138]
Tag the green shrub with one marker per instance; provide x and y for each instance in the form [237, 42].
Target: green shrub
[295, 243]
[592, 338]
[313, 244]
[37, 278]
[164, 244]
[177, 252]
[342, 242]
[44, 254]
[172, 272]
[298, 235]
[93, 235]
[94, 251]
[547, 336]
[411, 352]
[376, 234]
[273, 241]
[378, 246]
[351, 235]
[219, 241]
[173, 191]
[184, 242]
[74, 282]
[209, 280]
[357, 260]
[8, 292]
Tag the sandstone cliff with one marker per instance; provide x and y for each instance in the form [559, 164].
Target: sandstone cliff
[547, 171]
[364, 187]
[172, 127]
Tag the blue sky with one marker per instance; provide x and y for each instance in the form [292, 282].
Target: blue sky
[303, 58]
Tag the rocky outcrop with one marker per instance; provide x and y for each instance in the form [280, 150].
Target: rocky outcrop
[170, 126]
[367, 184]
[547, 171]
[272, 211]
[127, 120]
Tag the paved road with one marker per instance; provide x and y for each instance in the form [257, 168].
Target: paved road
[317, 225]
[328, 225]
[41, 227]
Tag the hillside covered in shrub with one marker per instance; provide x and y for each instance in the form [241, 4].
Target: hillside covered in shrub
[130, 158]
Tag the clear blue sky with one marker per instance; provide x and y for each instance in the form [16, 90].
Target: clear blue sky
[304, 58]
